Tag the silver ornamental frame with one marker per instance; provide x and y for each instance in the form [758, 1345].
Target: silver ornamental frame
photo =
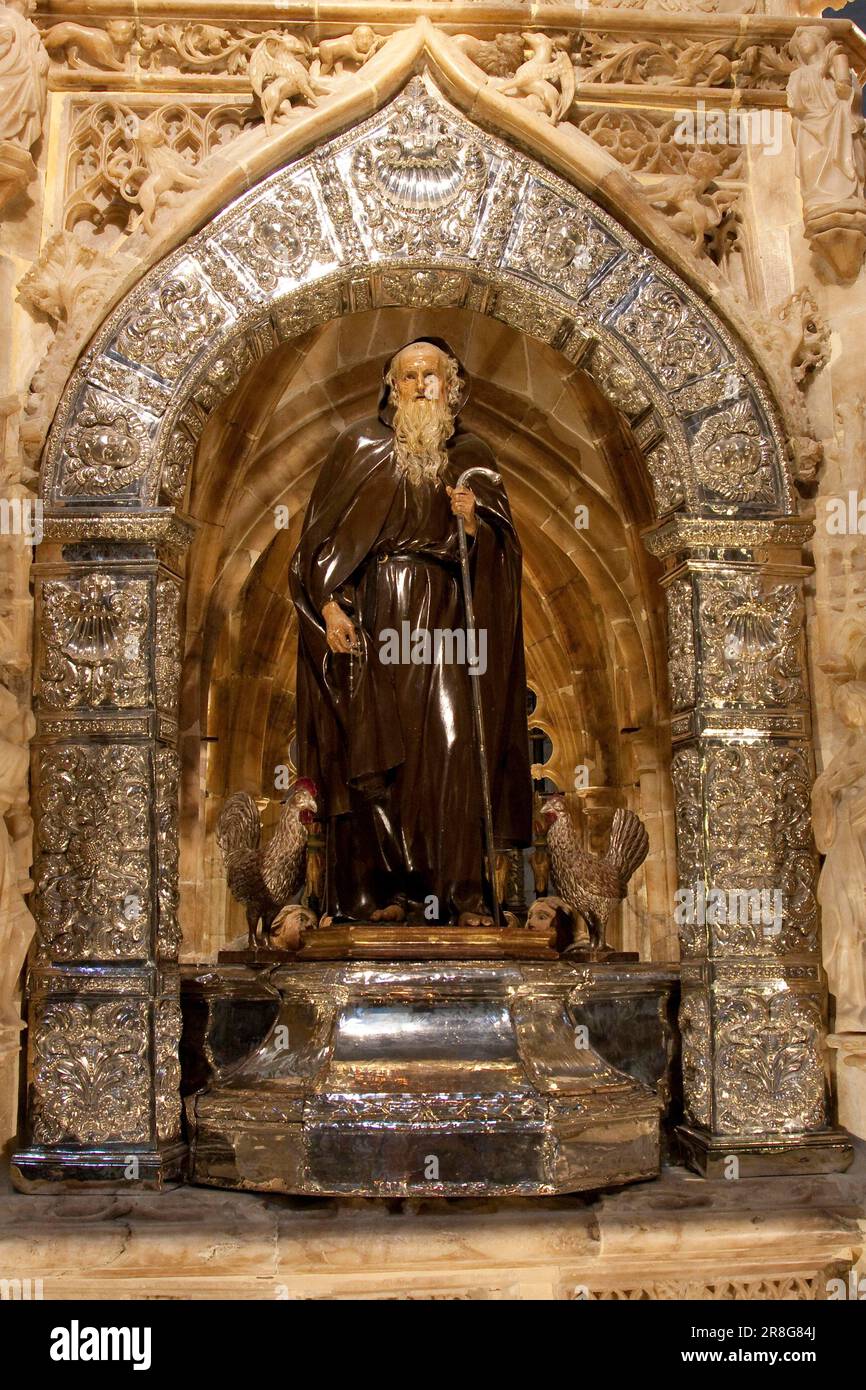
[514, 241]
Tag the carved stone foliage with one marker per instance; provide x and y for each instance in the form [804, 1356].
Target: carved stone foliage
[694, 1021]
[751, 641]
[167, 1027]
[769, 1075]
[94, 634]
[759, 836]
[655, 59]
[92, 870]
[644, 141]
[681, 644]
[90, 1073]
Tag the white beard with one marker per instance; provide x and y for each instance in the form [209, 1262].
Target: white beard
[421, 431]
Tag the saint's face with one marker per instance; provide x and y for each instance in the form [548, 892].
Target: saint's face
[419, 374]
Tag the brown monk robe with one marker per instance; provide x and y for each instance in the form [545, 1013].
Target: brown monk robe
[391, 746]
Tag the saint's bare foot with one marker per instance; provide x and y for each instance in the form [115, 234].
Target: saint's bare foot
[474, 919]
[393, 913]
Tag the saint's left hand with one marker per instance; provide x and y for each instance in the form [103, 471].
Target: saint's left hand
[463, 504]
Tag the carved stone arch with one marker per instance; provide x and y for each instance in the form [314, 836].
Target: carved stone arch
[503, 236]
[494, 231]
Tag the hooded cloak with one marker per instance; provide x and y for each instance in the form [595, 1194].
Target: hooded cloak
[390, 745]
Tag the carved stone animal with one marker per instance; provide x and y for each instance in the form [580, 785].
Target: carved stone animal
[545, 81]
[279, 72]
[265, 880]
[498, 57]
[589, 884]
[354, 48]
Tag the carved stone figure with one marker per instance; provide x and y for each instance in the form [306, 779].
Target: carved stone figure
[807, 336]
[696, 206]
[593, 886]
[23, 95]
[279, 72]
[355, 49]
[265, 880]
[498, 57]
[824, 98]
[839, 821]
[16, 729]
[102, 48]
[384, 693]
[161, 172]
[545, 81]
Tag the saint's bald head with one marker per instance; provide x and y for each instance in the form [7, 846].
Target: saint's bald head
[423, 372]
[423, 388]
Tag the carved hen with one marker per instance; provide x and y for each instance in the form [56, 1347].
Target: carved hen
[265, 880]
[591, 885]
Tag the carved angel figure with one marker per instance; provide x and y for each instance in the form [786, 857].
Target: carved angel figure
[545, 81]
[824, 99]
[23, 94]
[23, 75]
[839, 821]
[691, 200]
[279, 72]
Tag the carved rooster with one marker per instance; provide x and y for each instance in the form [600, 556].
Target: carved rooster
[265, 880]
[590, 885]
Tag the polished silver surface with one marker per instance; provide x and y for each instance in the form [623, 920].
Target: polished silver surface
[437, 1078]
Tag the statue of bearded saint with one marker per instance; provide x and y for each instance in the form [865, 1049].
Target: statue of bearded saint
[384, 690]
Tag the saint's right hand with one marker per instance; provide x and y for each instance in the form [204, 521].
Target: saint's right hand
[339, 629]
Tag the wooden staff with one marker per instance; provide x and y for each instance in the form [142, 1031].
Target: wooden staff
[477, 711]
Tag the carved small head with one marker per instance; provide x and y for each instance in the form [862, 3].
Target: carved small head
[120, 31]
[555, 915]
[365, 38]
[423, 372]
[302, 798]
[553, 808]
[809, 41]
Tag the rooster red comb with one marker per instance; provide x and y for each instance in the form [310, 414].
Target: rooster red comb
[305, 784]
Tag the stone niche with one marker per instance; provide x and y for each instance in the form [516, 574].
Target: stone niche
[617, 367]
